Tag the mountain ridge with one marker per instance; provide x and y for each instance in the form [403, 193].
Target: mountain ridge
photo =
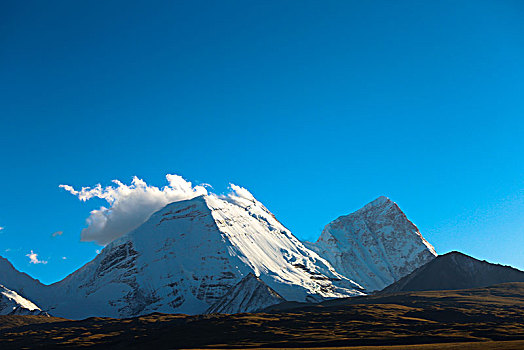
[193, 254]
[11, 303]
[455, 270]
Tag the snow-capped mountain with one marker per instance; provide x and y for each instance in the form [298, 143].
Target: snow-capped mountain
[11, 303]
[248, 295]
[455, 270]
[376, 245]
[188, 255]
[217, 253]
[22, 283]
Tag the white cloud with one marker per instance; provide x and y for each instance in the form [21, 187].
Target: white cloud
[129, 205]
[64, 258]
[57, 233]
[239, 195]
[1, 228]
[33, 258]
[240, 192]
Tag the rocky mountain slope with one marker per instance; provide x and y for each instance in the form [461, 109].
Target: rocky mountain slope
[376, 245]
[455, 270]
[249, 295]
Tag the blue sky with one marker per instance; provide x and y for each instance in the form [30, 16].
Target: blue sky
[316, 107]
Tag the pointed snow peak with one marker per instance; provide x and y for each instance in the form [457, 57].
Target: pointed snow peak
[380, 210]
[188, 205]
[379, 204]
[376, 245]
[380, 201]
[197, 199]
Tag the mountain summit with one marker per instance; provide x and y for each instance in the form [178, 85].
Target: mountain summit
[376, 245]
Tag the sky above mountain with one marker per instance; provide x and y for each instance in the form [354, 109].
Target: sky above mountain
[316, 107]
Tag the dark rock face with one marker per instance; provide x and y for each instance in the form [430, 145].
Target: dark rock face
[23, 311]
[455, 270]
[249, 295]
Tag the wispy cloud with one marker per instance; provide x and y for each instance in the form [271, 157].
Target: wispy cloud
[33, 258]
[129, 205]
[57, 233]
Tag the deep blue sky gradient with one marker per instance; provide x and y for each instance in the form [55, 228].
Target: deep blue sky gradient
[317, 107]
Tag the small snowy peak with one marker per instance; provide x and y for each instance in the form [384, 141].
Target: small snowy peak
[11, 303]
[251, 294]
[20, 282]
[376, 245]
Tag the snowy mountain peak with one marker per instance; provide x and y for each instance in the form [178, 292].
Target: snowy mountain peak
[379, 207]
[376, 245]
[189, 254]
[380, 201]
